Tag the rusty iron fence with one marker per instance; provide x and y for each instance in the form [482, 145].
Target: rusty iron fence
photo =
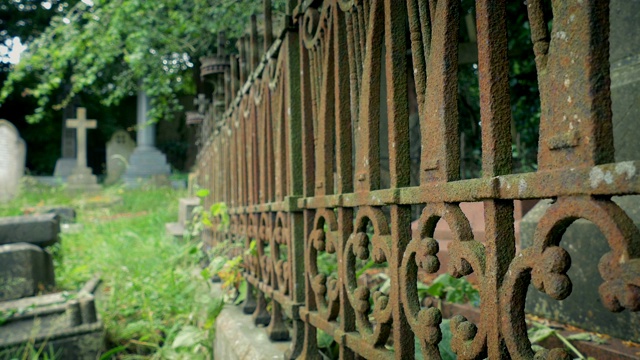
[292, 145]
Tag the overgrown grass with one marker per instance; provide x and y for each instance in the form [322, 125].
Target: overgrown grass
[153, 301]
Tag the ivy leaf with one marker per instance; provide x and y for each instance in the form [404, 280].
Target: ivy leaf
[202, 193]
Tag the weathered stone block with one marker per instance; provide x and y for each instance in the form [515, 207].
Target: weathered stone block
[185, 210]
[41, 230]
[64, 166]
[71, 328]
[25, 270]
[625, 77]
[66, 214]
[238, 338]
[583, 308]
[185, 216]
[82, 180]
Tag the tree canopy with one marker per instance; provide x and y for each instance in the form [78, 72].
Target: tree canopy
[110, 47]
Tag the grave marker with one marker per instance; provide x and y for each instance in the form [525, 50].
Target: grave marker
[81, 178]
[119, 149]
[12, 160]
[146, 161]
[41, 230]
[26, 270]
[67, 162]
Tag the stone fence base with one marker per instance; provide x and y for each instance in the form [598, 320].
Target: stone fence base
[238, 338]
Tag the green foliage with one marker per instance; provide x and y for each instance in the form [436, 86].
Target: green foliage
[227, 262]
[450, 289]
[29, 351]
[203, 218]
[220, 210]
[327, 263]
[524, 94]
[152, 295]
[327, 346]
[539, 332]
[111, 48]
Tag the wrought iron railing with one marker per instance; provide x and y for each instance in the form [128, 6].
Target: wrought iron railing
[296, 157]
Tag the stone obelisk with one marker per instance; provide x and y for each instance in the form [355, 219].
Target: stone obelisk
[81, 178]
[146, 161]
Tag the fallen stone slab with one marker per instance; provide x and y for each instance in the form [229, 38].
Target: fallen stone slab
[67, 324]
[25, 270]
[67, 214]
[41, 230]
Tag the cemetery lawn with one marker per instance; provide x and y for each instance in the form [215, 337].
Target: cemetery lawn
[153, 300]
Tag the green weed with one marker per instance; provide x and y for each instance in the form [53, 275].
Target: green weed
[153, 300]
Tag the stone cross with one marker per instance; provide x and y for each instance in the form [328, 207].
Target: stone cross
[201, 102]
[81, 124]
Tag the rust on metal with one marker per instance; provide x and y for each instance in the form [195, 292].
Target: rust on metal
[296, 156]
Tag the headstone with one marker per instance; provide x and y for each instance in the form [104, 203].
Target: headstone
[146, 161]
[40, 230]
[119, 149]
[67, 162]
[81, 179]
[64, 167]
[25, 270]
[65, 324]
[583, 240]
[12, 160]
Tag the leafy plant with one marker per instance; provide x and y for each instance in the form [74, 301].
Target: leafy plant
[109, 49]
[450, 289]
[201, 217]
[151, 288]
[327, 346]
[29, 351]
[227, 262]
[539, 332]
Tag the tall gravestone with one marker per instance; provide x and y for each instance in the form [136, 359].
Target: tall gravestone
[119, 150]
[583, 240]
[146, 161]
[67, 162]
[82, 179]
[13, 152]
